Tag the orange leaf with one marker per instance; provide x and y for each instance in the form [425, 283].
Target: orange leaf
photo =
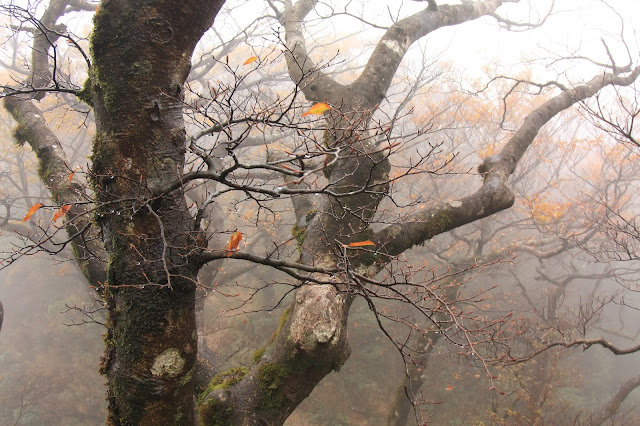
[251, 59]
[34, 208]
[71, 176]
[61, 212]
[234, 242]
[361, 243]
[449, 388]
[318, 108]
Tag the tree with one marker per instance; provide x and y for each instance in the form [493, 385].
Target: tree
[141, 245]
[550, 282]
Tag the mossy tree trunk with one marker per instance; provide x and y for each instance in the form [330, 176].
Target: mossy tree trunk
[141, 58]
[312, 339]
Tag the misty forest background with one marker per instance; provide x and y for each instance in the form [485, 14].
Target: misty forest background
[561, 264]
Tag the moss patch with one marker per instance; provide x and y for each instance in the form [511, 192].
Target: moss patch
[283, 319]
[258, 354]
[86, 94]
[22, 134]
[310, 215]
[223, 381]
[186, 379]
[214, 414]
[299, 233]
[271, 378]
[142, 67]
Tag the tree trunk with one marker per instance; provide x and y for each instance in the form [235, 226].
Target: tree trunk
[141, 55]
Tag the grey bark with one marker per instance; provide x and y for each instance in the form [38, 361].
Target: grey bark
[609, 409]
[54, 172]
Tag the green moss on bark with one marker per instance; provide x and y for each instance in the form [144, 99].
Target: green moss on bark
[271, 378]
[299, 233]
[212, 413]
[22, 134]
[223, 381]
[258, 354]
[114, 30]
[86, 94]
[283, 320]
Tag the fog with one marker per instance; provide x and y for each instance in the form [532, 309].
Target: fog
[530, 315]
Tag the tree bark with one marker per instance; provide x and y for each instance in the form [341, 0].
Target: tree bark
[54, 172]
[141, 58]
[611, 407]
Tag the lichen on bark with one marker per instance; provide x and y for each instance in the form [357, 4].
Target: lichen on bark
[169, 363]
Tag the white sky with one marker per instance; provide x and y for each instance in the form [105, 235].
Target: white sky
[577, 26]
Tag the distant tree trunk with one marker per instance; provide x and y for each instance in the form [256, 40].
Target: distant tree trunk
[402, 407]
[611, 407]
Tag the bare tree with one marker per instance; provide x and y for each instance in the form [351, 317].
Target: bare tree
[141, 244]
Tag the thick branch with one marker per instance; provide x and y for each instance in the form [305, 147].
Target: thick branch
[55, 172]
[315, 85]
[494, 195]
[385, 59]
[611, 407]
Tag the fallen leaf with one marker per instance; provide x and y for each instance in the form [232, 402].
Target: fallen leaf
[449, 388]
[318, 108]
[61, 212]
[251, 59]
[34, 208]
